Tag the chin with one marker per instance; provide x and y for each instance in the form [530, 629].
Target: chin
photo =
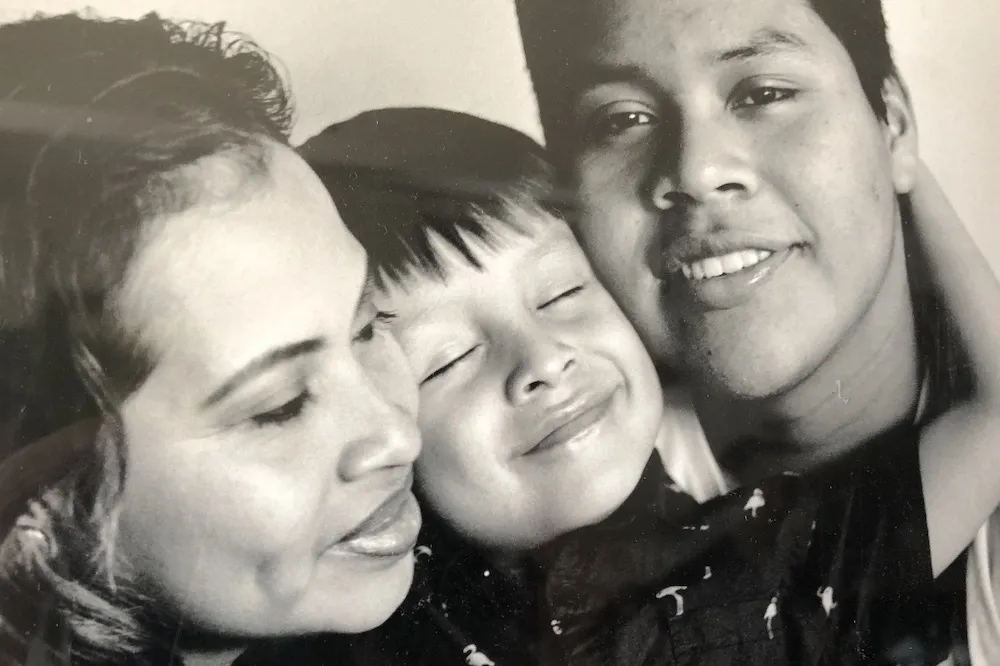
[370, 606]
[749, 374]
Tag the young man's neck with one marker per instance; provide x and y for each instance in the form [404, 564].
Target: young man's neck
[870, 383]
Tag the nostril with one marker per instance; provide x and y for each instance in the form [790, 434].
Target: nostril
[731, 187]
[533, 386]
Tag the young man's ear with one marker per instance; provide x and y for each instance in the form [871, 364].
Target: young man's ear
[900, 134]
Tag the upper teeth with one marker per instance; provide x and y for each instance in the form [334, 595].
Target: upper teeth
[723, 265]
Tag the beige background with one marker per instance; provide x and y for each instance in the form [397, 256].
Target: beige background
[344, 56]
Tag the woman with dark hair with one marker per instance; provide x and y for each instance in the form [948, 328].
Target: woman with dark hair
[193, 462]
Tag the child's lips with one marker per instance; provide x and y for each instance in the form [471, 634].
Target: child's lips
[572, 419]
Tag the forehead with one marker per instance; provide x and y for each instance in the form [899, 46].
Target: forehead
[225, 280]
[652, 33]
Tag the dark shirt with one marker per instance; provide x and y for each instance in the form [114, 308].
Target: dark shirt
[829, 568]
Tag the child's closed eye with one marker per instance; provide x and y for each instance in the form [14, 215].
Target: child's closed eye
[562, 296]
[443, 368]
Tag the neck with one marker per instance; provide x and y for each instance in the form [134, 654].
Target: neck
[868, 384]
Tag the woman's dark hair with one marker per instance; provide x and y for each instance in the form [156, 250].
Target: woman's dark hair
[102, 125]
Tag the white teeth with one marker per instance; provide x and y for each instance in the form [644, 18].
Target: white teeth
[726, 264]
[713, 267]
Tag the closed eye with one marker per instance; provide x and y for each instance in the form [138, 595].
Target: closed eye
[569, 293]
[285, 413]
[444, 369]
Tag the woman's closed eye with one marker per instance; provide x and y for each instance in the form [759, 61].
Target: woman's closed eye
[449, 365]
[285, 412]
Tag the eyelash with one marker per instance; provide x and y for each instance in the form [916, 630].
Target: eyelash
[781, 94]
[612, 125]
[566, 294]
[377, 323]
[285, 413]
[447, 366]
[458, 359]
[293, 408]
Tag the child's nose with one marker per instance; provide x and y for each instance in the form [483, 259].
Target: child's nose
[543, 364]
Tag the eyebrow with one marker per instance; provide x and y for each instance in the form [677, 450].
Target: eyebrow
[765, 42]
[261, 364]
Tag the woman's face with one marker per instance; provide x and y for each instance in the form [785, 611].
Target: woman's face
[269, 451]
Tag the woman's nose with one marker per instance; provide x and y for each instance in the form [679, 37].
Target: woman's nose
[543, 362]
[384, 435]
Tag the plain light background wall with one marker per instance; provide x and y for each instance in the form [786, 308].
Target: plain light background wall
[344, 56]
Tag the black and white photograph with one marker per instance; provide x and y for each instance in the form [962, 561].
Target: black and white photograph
[499, 333]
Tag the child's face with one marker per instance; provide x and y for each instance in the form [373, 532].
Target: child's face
[539, 405]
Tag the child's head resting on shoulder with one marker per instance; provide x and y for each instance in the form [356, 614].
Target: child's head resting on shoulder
[539, 406]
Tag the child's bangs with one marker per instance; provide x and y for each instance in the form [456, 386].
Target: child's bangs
[408, 229]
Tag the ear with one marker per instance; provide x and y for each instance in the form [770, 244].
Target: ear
[900, 130]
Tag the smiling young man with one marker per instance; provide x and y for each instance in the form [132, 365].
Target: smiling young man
[742, 169]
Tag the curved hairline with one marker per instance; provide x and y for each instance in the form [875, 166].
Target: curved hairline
[160, 203]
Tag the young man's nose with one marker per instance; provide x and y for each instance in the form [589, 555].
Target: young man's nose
[377, 434]
[542, 363]
[708, 162]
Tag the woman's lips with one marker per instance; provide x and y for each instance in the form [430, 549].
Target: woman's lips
[573, 421]
[389, 532]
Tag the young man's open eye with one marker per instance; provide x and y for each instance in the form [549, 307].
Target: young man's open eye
[562, 296]
[761, 96]
[615, 120]
[443, 368]
[284, 413]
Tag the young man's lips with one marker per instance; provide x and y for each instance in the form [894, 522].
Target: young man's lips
[390, 531]
[573, 420]
[729, 290]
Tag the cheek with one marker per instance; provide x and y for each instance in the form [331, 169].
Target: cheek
[834, 172]
[194, 516]
[465, 441]
[461, 437]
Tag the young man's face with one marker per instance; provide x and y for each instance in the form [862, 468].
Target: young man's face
[738, 191]
[539, 406]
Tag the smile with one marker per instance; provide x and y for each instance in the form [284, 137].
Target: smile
[573, 422]
[729, 280]
[726, 264]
